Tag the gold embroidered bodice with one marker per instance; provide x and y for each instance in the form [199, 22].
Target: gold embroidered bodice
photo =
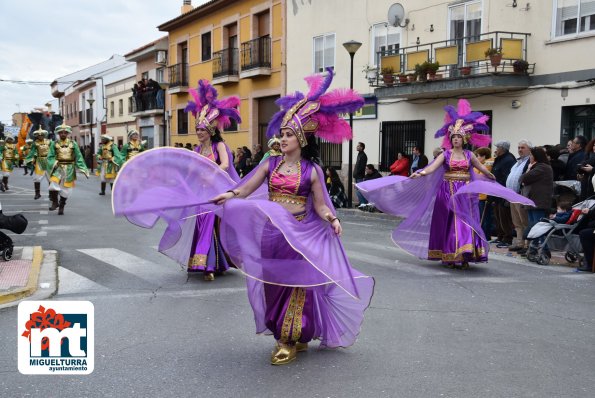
[43, 147]
[9, 152]
[106, 151]
[64, 151]
[133, 149]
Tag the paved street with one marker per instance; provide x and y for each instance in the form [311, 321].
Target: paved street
[503, 329]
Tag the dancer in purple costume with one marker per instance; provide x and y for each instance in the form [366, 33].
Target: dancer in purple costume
[300, 283]
[206, 254]
[440, 201]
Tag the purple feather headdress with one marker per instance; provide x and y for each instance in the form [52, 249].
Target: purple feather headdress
[209, 112]
[466, 123]
[317, 112]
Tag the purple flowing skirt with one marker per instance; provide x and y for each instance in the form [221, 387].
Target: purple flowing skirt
[451, 239]
[281, 257]
[207, 254]
[428, 211]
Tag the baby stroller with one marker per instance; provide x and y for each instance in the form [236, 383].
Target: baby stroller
[547, 234]
[569, 190]
[18, 225]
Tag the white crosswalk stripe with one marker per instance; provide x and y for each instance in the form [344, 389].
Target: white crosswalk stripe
[138, 266]
[71, 282]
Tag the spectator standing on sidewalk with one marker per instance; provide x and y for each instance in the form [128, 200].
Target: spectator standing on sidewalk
[520, 218]
[359, 171]
[576, 157]
[502, 216]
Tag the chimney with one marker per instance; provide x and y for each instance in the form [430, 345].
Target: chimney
[187, 6]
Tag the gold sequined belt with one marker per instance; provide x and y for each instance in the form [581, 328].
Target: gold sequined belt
[457, 176]
[299, 217]
[66, 161]
[287, 198]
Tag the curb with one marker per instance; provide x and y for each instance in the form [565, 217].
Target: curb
[31, 286]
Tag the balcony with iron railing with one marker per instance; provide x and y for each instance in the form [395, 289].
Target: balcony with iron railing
[178, 78]
[255, 57]
[454, 67]
[148, 103]
[225, 66]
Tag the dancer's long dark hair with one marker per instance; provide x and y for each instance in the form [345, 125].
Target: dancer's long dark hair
[311, 151]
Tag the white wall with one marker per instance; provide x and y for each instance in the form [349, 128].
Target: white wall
[539, 117]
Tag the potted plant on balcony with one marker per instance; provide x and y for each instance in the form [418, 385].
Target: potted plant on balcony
[465, 70]
[421, 70]
[387, 75]
[432, 68]
[520, 66]
[495, 56]
[402, 78]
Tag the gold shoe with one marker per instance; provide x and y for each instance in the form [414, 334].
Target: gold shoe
[284, 355]
[299, 347]
[209, 277]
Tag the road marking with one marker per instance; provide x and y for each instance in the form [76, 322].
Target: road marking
[417, 269]
[357, 223]
[71, 282]
[133, 264]
[43, 221]
[41, 233]
[173, 293]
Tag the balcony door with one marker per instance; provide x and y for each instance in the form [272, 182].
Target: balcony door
[464, 25]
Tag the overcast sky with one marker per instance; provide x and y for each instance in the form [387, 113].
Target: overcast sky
[41, 40]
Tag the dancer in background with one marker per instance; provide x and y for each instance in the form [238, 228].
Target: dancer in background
[211, 114]
[64, 158]
[39, 157]
[109, 159]
[133, 147]
[10, 158]
[441, 201]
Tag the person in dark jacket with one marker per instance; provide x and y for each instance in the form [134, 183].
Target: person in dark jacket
[418, 159]
[537, 184]
[502, 217]
[558, 166]
[371, 173]
[576, 157]
[586, 171]
[359, 171]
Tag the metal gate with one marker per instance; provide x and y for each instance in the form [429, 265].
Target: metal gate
[331, 154]
[399, 137]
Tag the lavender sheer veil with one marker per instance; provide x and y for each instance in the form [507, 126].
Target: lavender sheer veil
[413, 199]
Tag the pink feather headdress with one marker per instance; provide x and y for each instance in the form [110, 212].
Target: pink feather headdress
[466, 123]
[317, 112]
[209, 112]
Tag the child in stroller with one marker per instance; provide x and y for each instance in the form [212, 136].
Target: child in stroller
[558, 233]
[17, 224]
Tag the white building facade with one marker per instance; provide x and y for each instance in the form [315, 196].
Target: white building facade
[549, 103]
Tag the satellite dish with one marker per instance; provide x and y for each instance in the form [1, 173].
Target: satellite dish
[396, 15]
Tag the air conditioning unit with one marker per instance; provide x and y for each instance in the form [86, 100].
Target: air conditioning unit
[161, 57]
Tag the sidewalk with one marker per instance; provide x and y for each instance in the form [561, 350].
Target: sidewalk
[30, 274]
[502, 253]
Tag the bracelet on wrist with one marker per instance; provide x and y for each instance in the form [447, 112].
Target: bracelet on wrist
[332, 220]
[235, 193]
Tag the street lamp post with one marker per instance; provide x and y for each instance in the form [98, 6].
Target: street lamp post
[351, 46]
[91, 101]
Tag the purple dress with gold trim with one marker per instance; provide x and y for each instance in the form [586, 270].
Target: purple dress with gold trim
[451, 239]
[300, 283]
[441, 216]
[206, 253]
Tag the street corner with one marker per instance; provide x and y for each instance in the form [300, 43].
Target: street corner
[30, 273]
